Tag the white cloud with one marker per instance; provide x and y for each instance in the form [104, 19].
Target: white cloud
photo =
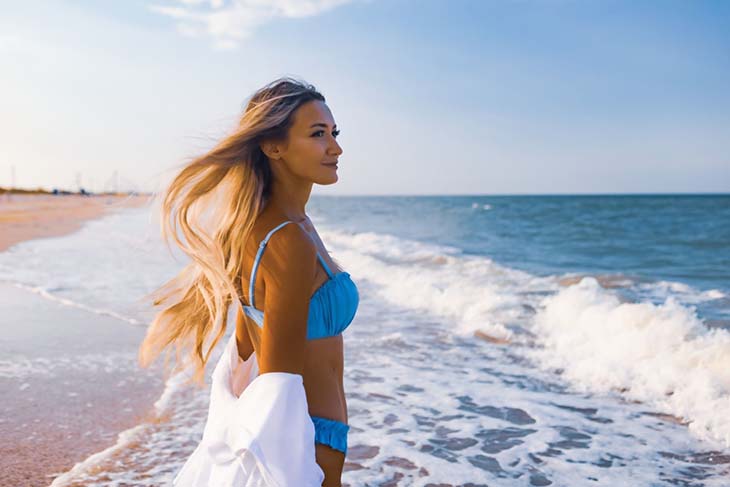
[228, 22]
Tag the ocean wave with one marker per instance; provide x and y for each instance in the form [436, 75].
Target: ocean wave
[475, 293]
[682, 291]
[662, 355]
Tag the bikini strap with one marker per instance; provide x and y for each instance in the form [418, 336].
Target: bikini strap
[324, 264]
[260, 252]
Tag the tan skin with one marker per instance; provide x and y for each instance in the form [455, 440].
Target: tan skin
[289, 273]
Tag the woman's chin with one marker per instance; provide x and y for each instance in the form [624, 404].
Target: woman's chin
[328, 179]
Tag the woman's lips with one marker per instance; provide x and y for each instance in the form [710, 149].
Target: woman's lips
[330, 164]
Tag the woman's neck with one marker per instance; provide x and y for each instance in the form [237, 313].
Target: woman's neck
[291, 199]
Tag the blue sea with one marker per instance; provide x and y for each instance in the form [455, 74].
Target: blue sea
[672, 241]
[500, 340]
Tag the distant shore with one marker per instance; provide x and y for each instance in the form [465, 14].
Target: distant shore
[26, 215]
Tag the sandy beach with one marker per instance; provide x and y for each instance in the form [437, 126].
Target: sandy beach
[29, 216]
[69, 380]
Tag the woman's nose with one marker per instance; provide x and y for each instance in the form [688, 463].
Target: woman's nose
[335, 148]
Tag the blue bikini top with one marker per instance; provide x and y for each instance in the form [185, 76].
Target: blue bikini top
[332, 307]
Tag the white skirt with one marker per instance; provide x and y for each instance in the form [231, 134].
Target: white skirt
[258, 432]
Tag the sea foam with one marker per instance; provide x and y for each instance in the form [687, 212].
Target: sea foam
[662, 355]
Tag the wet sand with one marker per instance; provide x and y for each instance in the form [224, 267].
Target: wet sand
[69, 383]
[29, 216]
[69, 379]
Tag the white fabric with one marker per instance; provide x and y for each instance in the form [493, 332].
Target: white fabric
[258, 432]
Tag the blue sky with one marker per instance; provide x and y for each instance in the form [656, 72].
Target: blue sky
[432, 97]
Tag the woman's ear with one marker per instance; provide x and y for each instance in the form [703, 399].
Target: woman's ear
[272, 149]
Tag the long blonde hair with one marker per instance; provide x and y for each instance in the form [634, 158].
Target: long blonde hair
[209, 210]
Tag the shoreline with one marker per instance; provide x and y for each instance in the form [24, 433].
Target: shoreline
[69, 383]
[69, 378]
[31, 216]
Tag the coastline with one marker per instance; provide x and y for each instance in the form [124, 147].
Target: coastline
[69, 378]
[30, 216]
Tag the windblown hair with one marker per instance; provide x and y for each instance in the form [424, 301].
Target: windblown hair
[209, 210]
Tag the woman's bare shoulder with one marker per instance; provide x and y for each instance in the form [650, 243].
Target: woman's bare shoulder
[291, 243]
[290, 235]
[290, 250]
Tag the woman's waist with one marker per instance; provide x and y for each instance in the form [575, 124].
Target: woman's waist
[323, 385]
[324, 373]
[324, 357]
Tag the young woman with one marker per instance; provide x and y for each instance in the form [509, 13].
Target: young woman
[277, 413]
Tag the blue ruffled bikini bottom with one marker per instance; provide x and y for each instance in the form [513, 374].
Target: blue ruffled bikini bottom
[331, 433]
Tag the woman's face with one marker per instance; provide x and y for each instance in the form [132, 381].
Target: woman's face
[311, 150]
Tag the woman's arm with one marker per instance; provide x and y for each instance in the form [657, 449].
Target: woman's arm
[288, 267]
[243, 338]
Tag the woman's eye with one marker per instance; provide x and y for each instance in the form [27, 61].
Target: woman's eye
[334, 133]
